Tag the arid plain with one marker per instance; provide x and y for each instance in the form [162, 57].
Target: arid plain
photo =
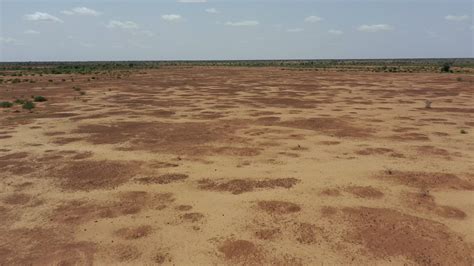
[227, 165]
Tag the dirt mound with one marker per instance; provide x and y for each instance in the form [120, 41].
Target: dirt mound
[125, 253]
[284, 102]
[8, 216]
[329, 143]
[413, 136]
[39, 246]
[14, 156]
[426, 202]
[278, 207]
[161, 257]
[17, 199]
[131, 233]
[328, 211]
[337, 127]
[163, 179]
[78, 212]
[82, 155]
[431, 150]
[308, 233]
[89, 175]
[268, 234]
[333, 192]
[192, 217]
[158, 136]
[268, 120]
[388, 233]
[239, 186]
[241, 252]
[367, 192]
[184, 207]
[380, 151]
[428, 180]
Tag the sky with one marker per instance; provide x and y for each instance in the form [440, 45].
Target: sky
[103, 30]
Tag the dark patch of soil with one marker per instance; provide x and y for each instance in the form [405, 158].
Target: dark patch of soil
[238, 186]
[192, 217]
[90, 175]
[429, 180]
[268, 234]
[366, 192]
[337, 127]
[278, 207]
[131, 233]
[241, 252]
[308, 233]
[388, 233]
[40, 246]
[163, 179]
[426, 202]
[17, 199]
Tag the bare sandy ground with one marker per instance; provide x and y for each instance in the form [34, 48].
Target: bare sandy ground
[239, 166]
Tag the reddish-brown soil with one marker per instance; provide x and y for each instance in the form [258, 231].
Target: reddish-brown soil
[238, 186]
[278, 207]
[237, 166]
[423, 241]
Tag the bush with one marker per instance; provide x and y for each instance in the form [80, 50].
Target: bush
[6, 104]
[446, 68]
[40, 99]
[463, 131]
[28, 105]
[19, 101]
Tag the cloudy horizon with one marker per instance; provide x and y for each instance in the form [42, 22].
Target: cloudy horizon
[231, 30]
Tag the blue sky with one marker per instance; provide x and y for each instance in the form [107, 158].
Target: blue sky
[42, 30]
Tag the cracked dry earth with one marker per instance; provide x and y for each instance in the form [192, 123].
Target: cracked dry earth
[243, 166]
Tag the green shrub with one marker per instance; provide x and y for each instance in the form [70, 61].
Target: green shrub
[19, 101]
[6, 104]
[446, 68]
[28, 105]
[40, 99]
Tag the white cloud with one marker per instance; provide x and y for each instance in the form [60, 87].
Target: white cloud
[192, 1]
[375, 28]
[313, 19]
[146, 33]
[212, 10]
[336, 32]
[81, 11]
[40, 16]
[457, 18]
[10, 41]
[126, 25]
[295, 30]
[244, 23]
[31, 32]
[172, 17]
[86, 44]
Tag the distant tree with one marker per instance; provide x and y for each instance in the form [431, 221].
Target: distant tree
[446, 68]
